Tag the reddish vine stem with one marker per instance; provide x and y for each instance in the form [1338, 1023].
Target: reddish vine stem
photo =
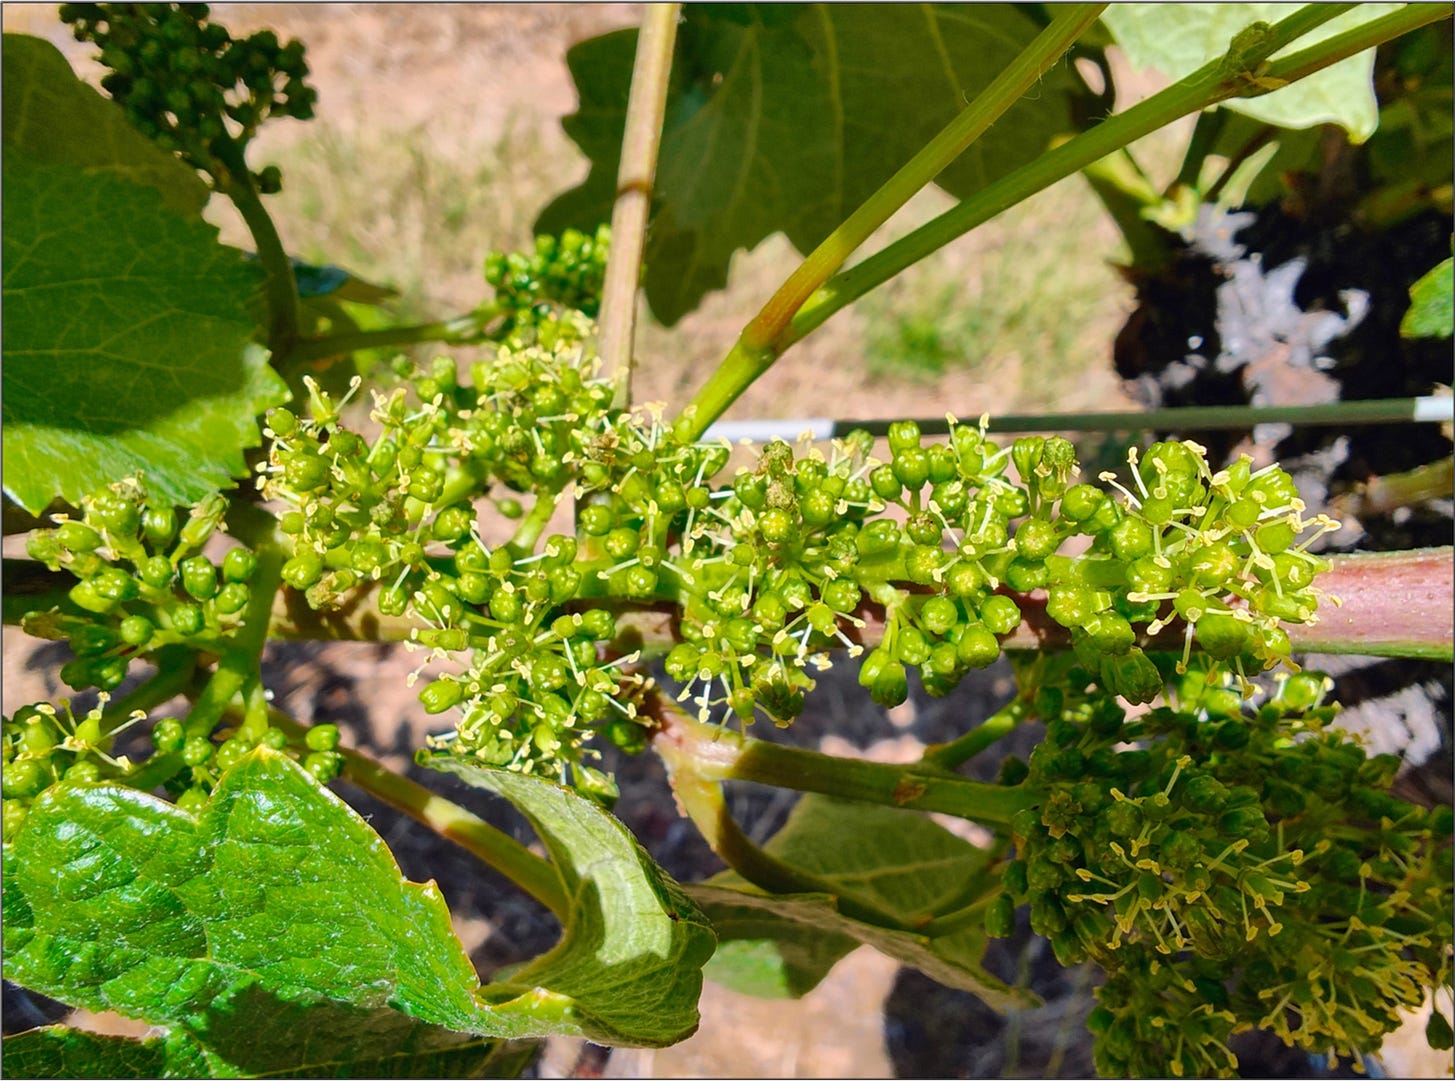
[1374, 604]
[1390, 604]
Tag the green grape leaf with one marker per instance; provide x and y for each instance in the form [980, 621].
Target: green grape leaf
[1430, 314]
[1178, 39]
[60, 1052]
[787, 117]
[883, 857]
[763, 952]
[631, 958]
[54, 118]
[274, 929]
[127, 342]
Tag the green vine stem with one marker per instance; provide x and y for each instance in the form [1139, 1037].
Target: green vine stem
[1394, 490]
[646, 106]
[710, 753]
[972, 914]
[754, 351]
[947, 756]
[176, 666]
[534, 523]
[238, 668]
[1205, 135]
[701, 798]
[1289, 69]
[1227, 77]
[1392, 604]
[461, 330]
[281, 288]
[499, 850]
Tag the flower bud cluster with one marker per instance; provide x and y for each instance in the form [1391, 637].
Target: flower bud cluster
[143, 587]
[42, 746]
[397, 511]
[1226, 552]
[538, 290]
[142, 582]
[189, 85]
[767, 571]
[1230, 869]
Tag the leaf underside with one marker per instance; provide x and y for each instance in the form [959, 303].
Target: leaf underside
[632, 955]
[882, 857]
[1178, 39]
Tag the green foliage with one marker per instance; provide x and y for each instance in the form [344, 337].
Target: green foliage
[1430, 314]
[886, 866]
[54, 118]
[1178, 41]
[787, 118]
[274, 930]
[918, 342]
[57, 1051]
[139, 359]
[129, 349]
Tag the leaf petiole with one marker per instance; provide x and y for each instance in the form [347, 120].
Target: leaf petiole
[533, 874]
[716, 754]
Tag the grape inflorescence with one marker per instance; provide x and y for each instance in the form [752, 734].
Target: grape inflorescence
[143, 582]
[145, 591]
[769, 568]
[1229, 864]
[193, 88]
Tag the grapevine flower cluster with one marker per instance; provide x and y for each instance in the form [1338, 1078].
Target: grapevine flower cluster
[143, 583]
[1229, 861]
[396, 511]
[44, 746]
[1226, 552]
[768, 570]
[145, 591]
[1229, 867]
[190, 86]
[535, 291]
